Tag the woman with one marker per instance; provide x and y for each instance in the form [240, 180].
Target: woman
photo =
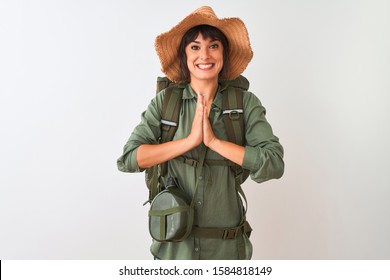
[204, 52]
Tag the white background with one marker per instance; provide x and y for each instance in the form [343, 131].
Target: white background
[76, 75]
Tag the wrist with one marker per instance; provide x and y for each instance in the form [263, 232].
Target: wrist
[191, 142]
[214, 143]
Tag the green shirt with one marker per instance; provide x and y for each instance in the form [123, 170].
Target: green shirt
[217, 202]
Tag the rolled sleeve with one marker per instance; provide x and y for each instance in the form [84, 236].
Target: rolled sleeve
[148, 131]
[250, 158]
[263, 153]
[128, 162]
[265, 163]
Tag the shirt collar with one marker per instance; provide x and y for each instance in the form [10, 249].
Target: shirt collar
[189, 93]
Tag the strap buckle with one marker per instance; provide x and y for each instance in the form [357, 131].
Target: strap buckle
[230, 233]
[189, 161]
[234, 114]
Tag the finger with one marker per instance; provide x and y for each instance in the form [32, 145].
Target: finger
[205, 116]
[200, 98]
[200, 107]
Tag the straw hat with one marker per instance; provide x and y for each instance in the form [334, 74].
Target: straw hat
[240, 54]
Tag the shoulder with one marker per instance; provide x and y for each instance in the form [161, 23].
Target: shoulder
[171, 94]
[252, 104]
[242, 84]
[250, 99]
[250, 96]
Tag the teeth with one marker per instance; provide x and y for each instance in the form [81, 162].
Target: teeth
[205, 66]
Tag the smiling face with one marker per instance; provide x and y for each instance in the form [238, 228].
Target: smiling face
[203, 51]
[204, 58]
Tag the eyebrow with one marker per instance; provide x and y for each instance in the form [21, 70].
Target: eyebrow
[215, 40]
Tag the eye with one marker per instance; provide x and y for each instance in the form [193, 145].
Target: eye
[194, 47]
[214, 46]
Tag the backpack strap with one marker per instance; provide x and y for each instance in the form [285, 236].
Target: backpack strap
[169, 122]
[170, 112]
[233, 115]
[162, 83]
[170, 116]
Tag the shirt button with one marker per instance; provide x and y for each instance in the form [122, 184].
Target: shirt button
[196, 249]
[199, 202]
[201, 177]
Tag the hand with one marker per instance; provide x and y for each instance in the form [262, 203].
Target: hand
[208, 134]
[196, 134]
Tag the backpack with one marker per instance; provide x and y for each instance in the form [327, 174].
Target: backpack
[233, 110]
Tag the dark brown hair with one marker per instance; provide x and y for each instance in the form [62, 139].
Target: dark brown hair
[207, 32]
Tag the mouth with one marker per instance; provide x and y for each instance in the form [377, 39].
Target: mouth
[205, 66]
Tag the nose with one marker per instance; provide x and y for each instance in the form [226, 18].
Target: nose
[205, 53]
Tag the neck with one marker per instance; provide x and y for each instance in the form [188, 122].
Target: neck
[207, 88]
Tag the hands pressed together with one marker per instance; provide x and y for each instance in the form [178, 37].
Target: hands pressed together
[201, 130]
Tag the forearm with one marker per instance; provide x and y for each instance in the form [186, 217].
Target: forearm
[149, 155]
[229, 150]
